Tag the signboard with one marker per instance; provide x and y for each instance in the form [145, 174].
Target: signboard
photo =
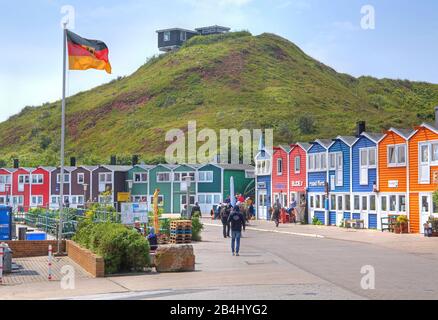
[435, 177]
[261, 185]
[393, 184]
[297, 183]
[123, 196]
[318, 183]
[133, 212]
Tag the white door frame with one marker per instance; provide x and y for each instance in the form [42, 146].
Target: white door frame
[262, 209]
[424, 216]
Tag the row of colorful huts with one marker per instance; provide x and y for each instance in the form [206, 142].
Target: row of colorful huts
[25, 188]
[367, 176]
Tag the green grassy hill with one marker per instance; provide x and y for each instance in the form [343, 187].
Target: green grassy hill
[232, 81]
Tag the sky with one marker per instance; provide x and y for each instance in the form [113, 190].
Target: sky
[402, 44]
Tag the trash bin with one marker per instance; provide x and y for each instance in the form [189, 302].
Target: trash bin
[7, 258]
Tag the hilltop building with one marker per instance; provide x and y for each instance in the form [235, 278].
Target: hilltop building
[173, 38]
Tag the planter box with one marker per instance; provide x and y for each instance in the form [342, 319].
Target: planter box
[174, 258]
[90, 262]
[404, 228]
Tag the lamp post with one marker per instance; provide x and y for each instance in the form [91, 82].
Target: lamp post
[85, 194]
[188, 181]
[130, 184]
[8, 189]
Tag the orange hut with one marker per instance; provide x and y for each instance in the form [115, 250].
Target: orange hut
[393, 172]
[423, 175]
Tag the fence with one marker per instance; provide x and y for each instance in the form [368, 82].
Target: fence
[47, 220]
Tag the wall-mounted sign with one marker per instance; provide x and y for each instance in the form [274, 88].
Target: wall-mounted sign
[318, 183]
[435, 176]
[297, 183]
[280, 186]
[261, 185]
[123, 196]
[393, 184]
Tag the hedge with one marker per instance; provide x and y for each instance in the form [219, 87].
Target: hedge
[123, 249]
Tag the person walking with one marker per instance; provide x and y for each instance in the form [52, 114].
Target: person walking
[237, 221]
[224, 215]
[276, 212]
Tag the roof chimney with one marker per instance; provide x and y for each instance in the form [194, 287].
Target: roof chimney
[361, 128]
[134, 160]
[72, 162]
[16, 163]
[436, 117]
[113, 160]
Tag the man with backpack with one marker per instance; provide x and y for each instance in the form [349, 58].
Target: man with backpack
[224, 215]
[276, 213]
[237, 221]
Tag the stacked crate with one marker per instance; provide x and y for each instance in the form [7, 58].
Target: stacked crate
[181, 231]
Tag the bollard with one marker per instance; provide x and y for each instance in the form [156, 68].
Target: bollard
[1, 264]
[50, 262]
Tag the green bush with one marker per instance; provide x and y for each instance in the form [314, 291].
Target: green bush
[316, 221]
[197, 227]
[122, 249]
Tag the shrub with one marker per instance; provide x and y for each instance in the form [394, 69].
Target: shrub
[316, 221]
[122, 249]
[197, 227]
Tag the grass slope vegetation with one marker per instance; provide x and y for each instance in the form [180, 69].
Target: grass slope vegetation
[228, 81]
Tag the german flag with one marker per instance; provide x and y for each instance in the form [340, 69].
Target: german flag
[84, 54]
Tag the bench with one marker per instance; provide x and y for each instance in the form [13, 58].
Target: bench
[388, 223]
[355, 223]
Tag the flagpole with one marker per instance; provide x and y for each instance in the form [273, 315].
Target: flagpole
[61, 180]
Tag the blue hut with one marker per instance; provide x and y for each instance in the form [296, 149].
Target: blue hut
[263, 169]
[339, 160]
[317, 177]
[364, 179]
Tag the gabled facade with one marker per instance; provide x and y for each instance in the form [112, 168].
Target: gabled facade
[393, 172]
[280, 176]
[6, 186]
[317, 179]
[160, 177]
[339, 178]
[210, 186]
[423, 175]
[140, 191]
[263, 187]
[107, 182]
[364, 202]
[40, 187]
[81, 186]
[180, 174]
[21, 188]
[55, 186]
[298, 172]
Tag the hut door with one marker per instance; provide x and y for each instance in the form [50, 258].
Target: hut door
[424, 170]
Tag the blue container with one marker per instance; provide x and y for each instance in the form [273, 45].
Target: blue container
[5, 223]
[36, 236]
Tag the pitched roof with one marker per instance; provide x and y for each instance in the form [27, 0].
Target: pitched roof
[90, 168]
[284, 147]
[50, 169]
[238, 166]
[117, 167]
[145, 166]
[11, 170]
[306, 146]
[349, 140]
[376, 137]
[324, 142]
[405, 133]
